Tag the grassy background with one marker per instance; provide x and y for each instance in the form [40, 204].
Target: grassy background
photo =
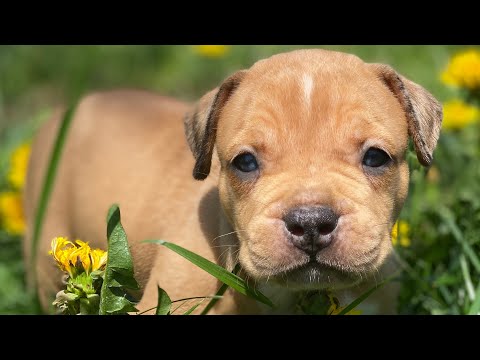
[443, 215]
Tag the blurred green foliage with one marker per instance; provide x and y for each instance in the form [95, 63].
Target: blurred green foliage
[33, 77]
[444, 214]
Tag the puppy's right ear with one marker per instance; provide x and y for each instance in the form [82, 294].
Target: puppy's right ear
[201, 123]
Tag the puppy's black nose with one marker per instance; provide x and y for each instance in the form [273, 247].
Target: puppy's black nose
[309, 227]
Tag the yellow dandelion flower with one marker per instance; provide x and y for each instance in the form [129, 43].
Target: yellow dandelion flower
[403, 229]
[211, 51]
[78, 257]
[82, 253]
[463, 70]
[62, 250]
[18, 166]
[458, 114]
[98, 258]
[82, 287]
[58, 246]
[11, 212]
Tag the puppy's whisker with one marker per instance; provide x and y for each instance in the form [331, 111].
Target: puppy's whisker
[220, 236]
[227, 234]
[226, 245]
[226, 250]
[237, 254]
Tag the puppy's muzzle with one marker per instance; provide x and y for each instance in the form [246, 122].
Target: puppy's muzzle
[310, 228]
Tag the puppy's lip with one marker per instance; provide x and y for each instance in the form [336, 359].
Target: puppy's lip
[313, 265]
[305, 264]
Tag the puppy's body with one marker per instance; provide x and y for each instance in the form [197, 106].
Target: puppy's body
[306, 115]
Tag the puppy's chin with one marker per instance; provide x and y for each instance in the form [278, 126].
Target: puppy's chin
[315, 276]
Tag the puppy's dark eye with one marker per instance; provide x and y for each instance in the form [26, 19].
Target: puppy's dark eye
[245, 162]
[375, 158]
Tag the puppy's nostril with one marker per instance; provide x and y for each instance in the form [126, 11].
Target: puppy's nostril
[296, 230]
[327, 228]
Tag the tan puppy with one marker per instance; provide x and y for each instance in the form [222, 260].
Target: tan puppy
[303, 162]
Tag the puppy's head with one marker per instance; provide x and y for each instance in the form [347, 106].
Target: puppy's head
[312, 149]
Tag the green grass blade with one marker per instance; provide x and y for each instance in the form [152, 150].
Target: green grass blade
[360, 299]
[219, 293]
[178, 307]
[466, 277]
[365, 295]
[47, 186]
[475, 308]
[448, 217]
[198, 297]
[192, 309]
[217, 271]
[449, 298]
[164, 303]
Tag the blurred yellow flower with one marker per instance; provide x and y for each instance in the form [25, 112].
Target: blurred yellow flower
[463, 70]
[211, 51]
[11, 212]
[77, 258]
[335, 310]
[18, 166]
[403, 229]
[457, 114]
[335, 307]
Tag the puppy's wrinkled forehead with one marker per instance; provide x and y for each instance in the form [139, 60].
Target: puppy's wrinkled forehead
[311, 98]
[308, 93]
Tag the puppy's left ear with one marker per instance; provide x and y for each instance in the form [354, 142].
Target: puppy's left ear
[423, 111]
[201, 123]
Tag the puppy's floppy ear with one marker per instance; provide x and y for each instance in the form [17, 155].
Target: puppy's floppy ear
[423, 111]
[201, 123]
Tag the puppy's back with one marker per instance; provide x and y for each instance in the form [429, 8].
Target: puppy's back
[120, 145]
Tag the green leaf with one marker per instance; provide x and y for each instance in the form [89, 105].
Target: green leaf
[164, 303]
[217, 271]
[446, 279]
[89, 305]
[47, 187]
[119, 269]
